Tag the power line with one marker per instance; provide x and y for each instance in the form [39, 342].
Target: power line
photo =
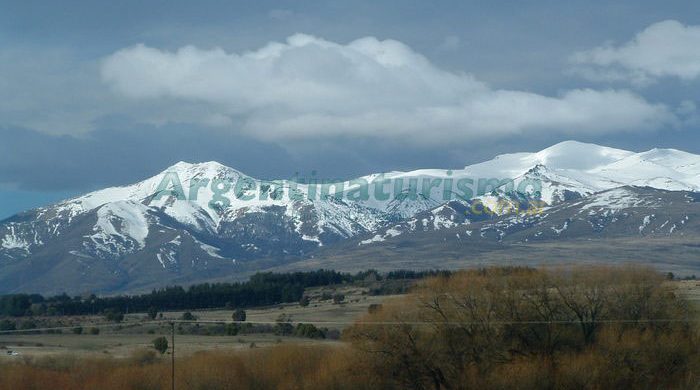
[102, 325]
[443, 322]
[383, 323]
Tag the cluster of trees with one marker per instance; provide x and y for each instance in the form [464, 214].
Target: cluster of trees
[309, 331]
[79, 330]
[262, 289]
[283, 327]
[27, 324]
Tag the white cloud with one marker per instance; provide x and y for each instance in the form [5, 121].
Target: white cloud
[309, 87]
[663, 49]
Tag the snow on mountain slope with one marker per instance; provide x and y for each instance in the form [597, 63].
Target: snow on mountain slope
[13, 240]
[677, 160]
[121, 221]
[568, 166]
[562, 171]
[585, 169]
[122, 227]
[562, 156]
[629, 212]
[539, 183]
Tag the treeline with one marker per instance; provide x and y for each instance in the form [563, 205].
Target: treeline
[260, 290]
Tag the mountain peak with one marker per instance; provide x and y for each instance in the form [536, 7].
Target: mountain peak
[579, 155]
[572, 143]
[208, 169]
[183, 165]
[572, 146]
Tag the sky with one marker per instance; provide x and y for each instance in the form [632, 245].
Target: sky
[96, 94]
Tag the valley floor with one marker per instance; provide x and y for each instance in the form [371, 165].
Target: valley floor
[137, 331]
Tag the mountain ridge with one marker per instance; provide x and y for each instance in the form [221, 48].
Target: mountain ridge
[180, 225]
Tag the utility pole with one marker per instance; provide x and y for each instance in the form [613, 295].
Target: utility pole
[172, 355]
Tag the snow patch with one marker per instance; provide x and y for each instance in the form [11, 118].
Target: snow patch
[559, 231]
[376, 238]
[12, 240]
[211, 251]
[123, 219]
[645, 222]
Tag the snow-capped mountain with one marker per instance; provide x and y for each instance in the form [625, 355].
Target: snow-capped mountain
[198, 221]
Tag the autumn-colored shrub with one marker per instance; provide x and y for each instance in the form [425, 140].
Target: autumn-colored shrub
[586, 327]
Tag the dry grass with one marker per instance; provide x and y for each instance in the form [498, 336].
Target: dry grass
[279, 367]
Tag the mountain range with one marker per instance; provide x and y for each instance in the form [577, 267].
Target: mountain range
[571, 202]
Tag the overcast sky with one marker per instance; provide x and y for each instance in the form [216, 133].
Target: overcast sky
[96, 93]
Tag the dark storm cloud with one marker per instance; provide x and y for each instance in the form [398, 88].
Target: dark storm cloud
[37, 161]
[30, 160]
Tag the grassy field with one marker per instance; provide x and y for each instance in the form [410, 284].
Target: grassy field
[137, 331]
[689, 289]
